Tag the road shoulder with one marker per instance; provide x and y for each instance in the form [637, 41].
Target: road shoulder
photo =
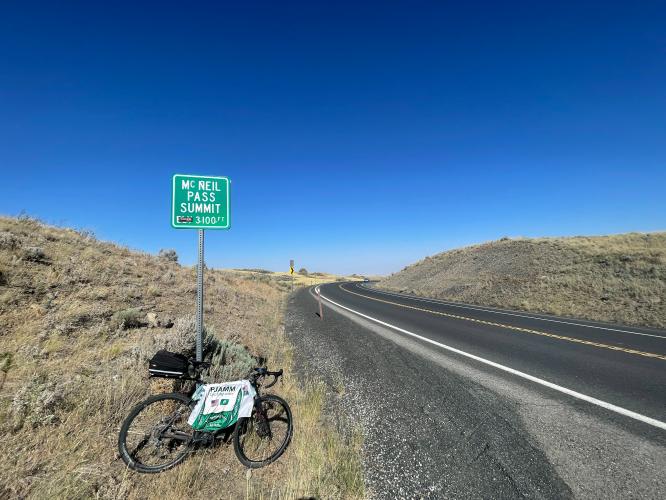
[428, 431]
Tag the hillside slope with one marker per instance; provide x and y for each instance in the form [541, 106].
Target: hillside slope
[619, 278]
[78, 320]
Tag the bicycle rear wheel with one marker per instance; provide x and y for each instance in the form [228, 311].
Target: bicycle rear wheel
[155, 436]
[260, 439]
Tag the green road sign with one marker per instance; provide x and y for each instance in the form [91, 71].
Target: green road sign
[200, 202]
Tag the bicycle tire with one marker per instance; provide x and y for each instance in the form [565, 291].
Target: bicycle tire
[130, 457]
[242, 430]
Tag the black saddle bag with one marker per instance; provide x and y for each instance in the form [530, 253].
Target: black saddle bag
[168, 364]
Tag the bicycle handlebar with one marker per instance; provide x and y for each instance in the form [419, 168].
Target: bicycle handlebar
[263, 372]
[276, 376]
[256, 374]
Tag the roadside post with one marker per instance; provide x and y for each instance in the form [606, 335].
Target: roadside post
[321, 311]
[200, 202]
[291, 271]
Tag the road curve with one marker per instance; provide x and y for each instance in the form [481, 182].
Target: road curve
[461, 401]
[620, 366]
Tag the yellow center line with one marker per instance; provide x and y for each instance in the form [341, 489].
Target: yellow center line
[515, 328]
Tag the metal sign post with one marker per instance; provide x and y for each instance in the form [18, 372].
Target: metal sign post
[291, 271]
[199, 202]
[200, 292]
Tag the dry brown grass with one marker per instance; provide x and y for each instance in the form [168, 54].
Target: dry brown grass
[73, 345]
[620, 278]
[300, 279]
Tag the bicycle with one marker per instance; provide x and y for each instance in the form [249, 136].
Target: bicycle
[156, 436]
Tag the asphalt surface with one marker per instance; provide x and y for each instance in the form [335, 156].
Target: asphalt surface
[441, 424]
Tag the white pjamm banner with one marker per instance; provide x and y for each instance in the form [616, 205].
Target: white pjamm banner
[221, 399]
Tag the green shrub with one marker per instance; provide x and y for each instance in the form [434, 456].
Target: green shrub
[168, 254]
[127, 318]
[37, 403]
[230, 361]
[34, 254]
[8, 240]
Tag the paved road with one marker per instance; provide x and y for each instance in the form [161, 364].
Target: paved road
[482, 402]
[622, 366]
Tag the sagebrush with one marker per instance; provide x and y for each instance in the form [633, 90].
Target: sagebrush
[79, 319]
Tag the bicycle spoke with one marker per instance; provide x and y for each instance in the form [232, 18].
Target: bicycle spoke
[159, 433]
[261, 439]
[141, 444]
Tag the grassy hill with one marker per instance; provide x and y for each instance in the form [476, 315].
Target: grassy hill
[620, 278]
[78, 320]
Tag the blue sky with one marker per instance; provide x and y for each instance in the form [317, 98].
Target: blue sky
[358, 137]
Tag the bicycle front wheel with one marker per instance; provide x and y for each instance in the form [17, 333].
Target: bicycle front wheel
[260, 439]
[155, 436]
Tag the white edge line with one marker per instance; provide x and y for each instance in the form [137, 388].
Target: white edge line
[550, 385]
[494, 311]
